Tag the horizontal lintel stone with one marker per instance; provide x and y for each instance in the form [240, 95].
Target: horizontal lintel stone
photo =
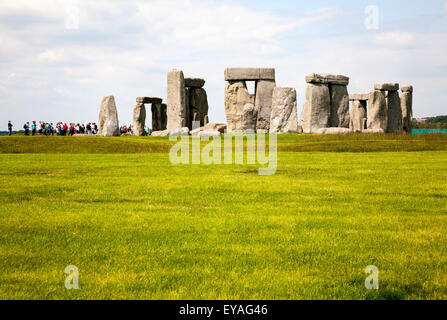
[194, 82]
[324, 78]
[386, 86]
[249, 74]
[149, 100]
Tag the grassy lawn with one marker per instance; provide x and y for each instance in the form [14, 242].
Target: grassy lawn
[138, 227]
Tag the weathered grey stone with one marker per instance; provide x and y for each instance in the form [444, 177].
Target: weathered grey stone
[194, 82]
[177, 109]
[407, 88]
[252, 99]
[206, 120]
[317, 108]
[210, 126]
[249, 116]
[245, 74]
[179, 132]
[139, 119]
[406, 100]
[159, 117]
[333, 131]
[359, 97]
[162, 133]
[386, 86]
[339, 106]
[358, 116]
[263, 103]
[198, 104]
[149, 100]
[327, 79]
[163, 116]
[195, 132]
[380, 131]
[394, 112]
[108, 124]
[209, 133]
[284, 114]
[378, 114]
[236, 97]
[300, 130]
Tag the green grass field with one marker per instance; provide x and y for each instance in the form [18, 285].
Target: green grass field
[138, 227]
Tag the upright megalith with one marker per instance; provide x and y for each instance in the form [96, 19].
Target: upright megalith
[316, 111]
[378, 113]
[262, 99]
[327, 102]
[406, 102]
[339, 106]
[108, 124]
[392, 108]
[284, 114]
[159, 116]
[248, 120]
[358, 113]
[176, 100]
[236, 97]
[263, 103]
[198, 104]
[139, 119]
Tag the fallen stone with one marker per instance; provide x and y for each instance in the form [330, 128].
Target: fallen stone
[317, 108]
[284, 114]
[380, 131]
[407, 88]
[177, 111]
[179, 132]
[108, 124]
[194, 82]
[139, 119]
[358, 116]
[359, 97]
[263, 103]
[339, 106]
[394, 113]
[162, 133]
[210, 126]
[333, 131]
[149, 100]
[249, 116]
[196, 132]
[236, 97]
[406, 100]
[378, 114]
[209, 133]
[327, 79]
[245, 74]
[386, 86]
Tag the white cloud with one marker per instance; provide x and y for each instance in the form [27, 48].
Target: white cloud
[395, 38]
[50, 56]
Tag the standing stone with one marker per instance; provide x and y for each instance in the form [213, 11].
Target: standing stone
[358, 116]
[108, 124]
[249, 116]
[406, 100]
[198, 104]
[378, 114]
[188, 116]
[339, 106]
[284, 115]
[139, 119]
[159, 117]
[263, 103]
[394, 112]
[236, 97]
[176, 102]
[317, 108]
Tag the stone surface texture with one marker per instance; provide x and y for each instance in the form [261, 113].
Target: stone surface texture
[176, 101]
[317, 108]
[406, 100]
[339, 106]
[263, 103]
[108, 124]
[139, 119]
[245, 74]
[358, 116]
[377, 114]
[327, 79]
[284, 113]
[248, 121]
[236, 97]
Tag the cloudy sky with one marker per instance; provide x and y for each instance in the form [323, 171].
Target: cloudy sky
[58, 58]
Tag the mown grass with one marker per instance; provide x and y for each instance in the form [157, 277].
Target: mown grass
[286, 143]
[138, 227]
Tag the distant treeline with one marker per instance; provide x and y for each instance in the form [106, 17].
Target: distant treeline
[439, 122]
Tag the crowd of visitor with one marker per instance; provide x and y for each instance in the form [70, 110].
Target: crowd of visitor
[63, 129]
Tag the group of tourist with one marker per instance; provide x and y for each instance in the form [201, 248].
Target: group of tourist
[60, 129]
